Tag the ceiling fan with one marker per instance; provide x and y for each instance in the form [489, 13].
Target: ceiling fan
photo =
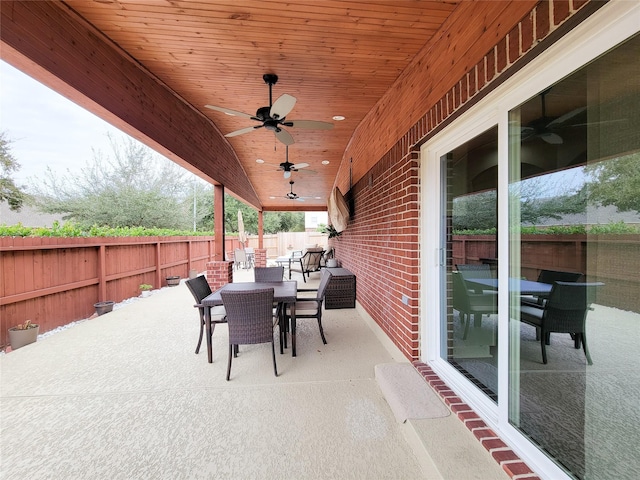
[294, 196]
[273, 116]
[287, 167]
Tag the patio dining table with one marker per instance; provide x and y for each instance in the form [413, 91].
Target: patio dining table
[284, 292]
[524, 287]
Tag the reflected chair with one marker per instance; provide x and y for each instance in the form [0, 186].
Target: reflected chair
[470, 270]
[468, 303]
[199, 288]
[310, 307]
[549, 277]
[250, 319]
[309, 262]
[268, 274]
[565, 311]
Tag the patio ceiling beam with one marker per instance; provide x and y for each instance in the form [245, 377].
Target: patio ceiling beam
[49, 42]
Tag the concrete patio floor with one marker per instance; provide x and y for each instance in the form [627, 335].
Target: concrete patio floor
[123, 396]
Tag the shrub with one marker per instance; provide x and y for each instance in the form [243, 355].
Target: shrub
[70, 229]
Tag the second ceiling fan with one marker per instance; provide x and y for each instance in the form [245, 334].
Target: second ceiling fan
[273, 116]
[291, 195]
[287, 167]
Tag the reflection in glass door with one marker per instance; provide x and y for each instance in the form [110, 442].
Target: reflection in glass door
[575, 225]
[469, 275]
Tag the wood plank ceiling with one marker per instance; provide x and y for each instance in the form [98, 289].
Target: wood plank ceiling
[335, 57]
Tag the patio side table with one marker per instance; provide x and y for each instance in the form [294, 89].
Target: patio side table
[341, 289]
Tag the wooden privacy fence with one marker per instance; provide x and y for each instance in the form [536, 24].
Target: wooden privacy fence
[54, 281]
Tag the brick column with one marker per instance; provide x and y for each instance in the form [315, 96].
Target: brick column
[260, 259]
[219, 273]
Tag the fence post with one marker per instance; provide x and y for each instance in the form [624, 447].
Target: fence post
[102, 273]
[158, 269]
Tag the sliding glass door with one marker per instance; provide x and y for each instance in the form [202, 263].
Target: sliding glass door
[575, 200]
[469, 224]
[531, 254]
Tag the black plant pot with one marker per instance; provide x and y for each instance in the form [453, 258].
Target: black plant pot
[104, 307]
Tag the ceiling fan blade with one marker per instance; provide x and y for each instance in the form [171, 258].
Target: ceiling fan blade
[228, 111]
[282, 106]
[242, 131]
[285, 137]
[310, 124]
[551, 138]
[298, 166]
[567, 116]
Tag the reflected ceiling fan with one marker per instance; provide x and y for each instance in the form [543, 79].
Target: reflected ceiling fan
[273, 116]
[549, 128]
[543, 127]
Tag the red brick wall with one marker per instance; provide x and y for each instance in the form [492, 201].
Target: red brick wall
[381, 244]
[219, 273]
[381, 247]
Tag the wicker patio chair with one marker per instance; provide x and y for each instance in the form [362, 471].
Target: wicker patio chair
[268, 274]
[309, 307]
[468, 303]
[565, 311]
[199, 288]
[250, 319]
[549, 276]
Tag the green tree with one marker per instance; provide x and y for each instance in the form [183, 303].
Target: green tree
[249, 216]
[275, 222]
[475, 212]
[615, 182]
[9, 191]
[201, 197]
[133, 188]
[547, 196]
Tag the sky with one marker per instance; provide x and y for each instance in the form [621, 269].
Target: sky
[45, 128]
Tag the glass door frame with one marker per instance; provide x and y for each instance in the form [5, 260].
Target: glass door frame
[605, 29]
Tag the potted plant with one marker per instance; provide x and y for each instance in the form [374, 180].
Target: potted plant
[145, 289]
[104, 307]
[333, 233]
[23, 334]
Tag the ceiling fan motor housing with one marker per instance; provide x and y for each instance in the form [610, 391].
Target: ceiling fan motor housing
[263, 113]
[270, 78]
